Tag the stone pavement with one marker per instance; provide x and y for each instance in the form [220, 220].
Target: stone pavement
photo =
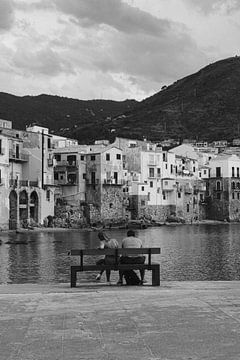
[178, 320]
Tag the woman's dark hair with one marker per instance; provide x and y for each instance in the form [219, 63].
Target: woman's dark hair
[131, 232]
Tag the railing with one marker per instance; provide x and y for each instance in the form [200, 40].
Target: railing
[66, 163]
[23, 183]
[18, 156]
[50, 162]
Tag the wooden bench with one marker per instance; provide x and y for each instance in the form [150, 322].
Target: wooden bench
[148, 265]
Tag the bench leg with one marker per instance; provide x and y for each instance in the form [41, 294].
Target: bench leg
[156, 275]
[73, 278]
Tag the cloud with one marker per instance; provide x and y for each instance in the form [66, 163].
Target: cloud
[6, 14]
[150, 51]
[42, 61]
[113, 13]
[209, 6]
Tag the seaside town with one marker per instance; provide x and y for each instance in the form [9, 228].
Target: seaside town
[51, 181]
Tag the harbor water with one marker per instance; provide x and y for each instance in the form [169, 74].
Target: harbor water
[188, 252]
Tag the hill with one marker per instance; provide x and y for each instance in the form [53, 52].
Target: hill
[202, 106]
[83, 120]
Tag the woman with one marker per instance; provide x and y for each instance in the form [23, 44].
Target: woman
[106, 243]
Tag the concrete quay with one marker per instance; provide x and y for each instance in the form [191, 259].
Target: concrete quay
[176, 321]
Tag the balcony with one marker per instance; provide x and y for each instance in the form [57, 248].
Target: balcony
[23, 183]
[50, 162]
[168, 184]
[18, 156]
[113, 182]
[93, 183]
[188, 189]
[65, 163]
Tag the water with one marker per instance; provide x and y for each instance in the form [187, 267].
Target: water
[189, 252]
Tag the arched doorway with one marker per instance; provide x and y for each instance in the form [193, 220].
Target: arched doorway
[13, 210]
[23, 208]
[34, 207]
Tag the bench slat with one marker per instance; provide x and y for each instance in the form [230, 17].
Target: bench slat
[121, 251]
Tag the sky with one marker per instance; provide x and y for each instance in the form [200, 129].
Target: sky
[111, 49]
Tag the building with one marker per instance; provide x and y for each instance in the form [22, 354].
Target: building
[27, 190]
[104, 183]
[224, 188]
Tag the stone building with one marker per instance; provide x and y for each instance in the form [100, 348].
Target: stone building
[224, 188]
[104, 182]
[27, 191]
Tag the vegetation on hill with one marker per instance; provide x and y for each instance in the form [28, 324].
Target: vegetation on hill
[83, 120]
[202, 106]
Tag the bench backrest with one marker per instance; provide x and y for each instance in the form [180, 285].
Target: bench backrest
[115, 252]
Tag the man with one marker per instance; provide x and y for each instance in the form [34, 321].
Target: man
[106, 243]
[131, 241]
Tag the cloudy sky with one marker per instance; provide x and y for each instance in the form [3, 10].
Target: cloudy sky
[111, 49]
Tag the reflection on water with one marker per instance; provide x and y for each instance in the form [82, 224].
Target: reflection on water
[189, 252]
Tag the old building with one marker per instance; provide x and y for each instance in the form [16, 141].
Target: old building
[104, 182]
[27, 191]
[224, 188]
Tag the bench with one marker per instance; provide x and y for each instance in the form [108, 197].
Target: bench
[148, 265]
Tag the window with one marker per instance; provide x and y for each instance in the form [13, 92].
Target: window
[166, 166]
[107, 157]
[219, 196]
[93, 177]
[118, 156]
[115, 175]
[57, 157]
[0, 146]
[151, 184]
[233, 185]
[142, 188]
[205, 172]
[149, 196]
[48, 195]
[111, 205]
[49, 143]
[218, 172]
[164, 195]
[171, 169]
[142, 203]
[238, 185]
[233, 195]
[55, 176]
[71, 159]
[84, 176]
[164, 157]
[82, 157]
[194, 169]
[233, 172]
[17, 151]
[93, 157]
[151, 172]
[200, 174]
[158, 172]
[188, 207]
[179, 195]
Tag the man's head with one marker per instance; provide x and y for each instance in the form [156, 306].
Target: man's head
[131, 232]
[102, 236]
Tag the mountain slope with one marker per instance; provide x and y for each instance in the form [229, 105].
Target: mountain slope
[203, 106]
[83, 120]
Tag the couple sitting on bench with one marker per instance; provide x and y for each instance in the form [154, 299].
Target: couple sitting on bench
[131, 241]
